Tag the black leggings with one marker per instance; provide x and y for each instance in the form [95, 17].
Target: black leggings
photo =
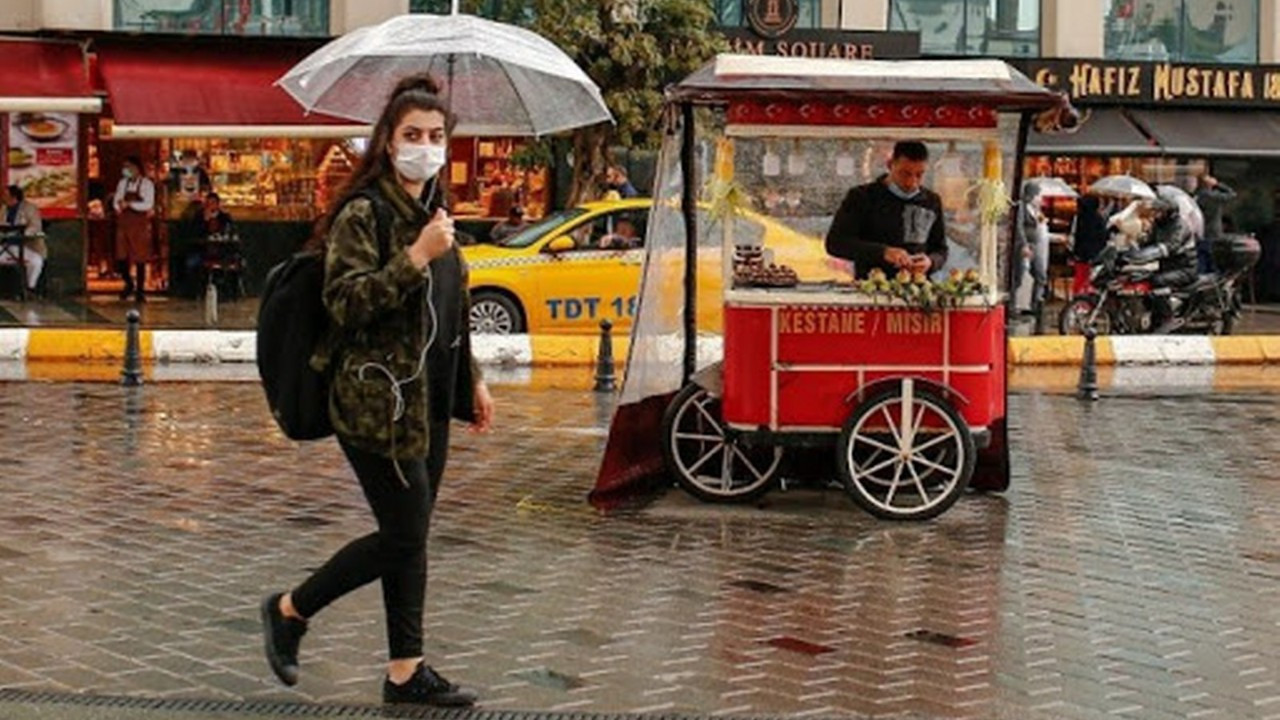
[396, 553]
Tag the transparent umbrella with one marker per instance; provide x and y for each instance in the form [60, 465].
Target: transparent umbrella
[1188, 209]
[1048, 187]
[500, 79]
[1122, 186]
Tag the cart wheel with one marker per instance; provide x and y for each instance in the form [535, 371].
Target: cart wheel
[709, 463]
[905, 454]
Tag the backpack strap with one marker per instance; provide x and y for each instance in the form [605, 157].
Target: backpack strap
[383, 219]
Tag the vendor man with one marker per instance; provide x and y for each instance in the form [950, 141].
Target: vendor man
[892, 223]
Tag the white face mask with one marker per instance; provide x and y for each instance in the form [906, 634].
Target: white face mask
[418, 163]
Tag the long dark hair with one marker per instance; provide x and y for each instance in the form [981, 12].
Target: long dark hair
[415, 92]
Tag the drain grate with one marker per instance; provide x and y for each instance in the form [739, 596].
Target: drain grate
[258, 708]
[304, 710]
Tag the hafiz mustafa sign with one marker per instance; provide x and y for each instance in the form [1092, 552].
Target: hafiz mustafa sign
[1117, 82]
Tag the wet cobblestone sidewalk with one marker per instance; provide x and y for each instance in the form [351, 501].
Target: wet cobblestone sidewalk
[1119, 577]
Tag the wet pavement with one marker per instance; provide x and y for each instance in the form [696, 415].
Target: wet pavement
[1133, 569]
[161, 312]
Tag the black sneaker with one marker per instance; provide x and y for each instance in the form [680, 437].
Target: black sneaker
[426, 687]
[281, 636]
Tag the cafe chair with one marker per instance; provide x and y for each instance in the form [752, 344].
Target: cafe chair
[224, 267]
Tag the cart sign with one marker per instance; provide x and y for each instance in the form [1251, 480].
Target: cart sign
[845, 321]
[42, 160]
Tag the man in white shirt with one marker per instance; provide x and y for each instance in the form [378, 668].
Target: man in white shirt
[21, 213]
[134, 204]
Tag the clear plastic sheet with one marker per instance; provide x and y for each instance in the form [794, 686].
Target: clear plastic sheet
[788, 188]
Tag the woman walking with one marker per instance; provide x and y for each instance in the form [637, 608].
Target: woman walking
[400, 357]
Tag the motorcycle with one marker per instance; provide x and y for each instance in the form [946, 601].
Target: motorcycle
[1124, 297]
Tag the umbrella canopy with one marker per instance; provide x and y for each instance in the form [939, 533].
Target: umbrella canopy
[500, 79]
[1122, 186]
[1048, 187]
[1188, 209]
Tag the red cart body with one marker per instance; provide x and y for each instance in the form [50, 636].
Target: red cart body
[799, 367]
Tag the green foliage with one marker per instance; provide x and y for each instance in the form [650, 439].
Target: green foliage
[536, 154]
[632, 63]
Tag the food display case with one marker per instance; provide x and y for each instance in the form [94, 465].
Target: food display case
[270, 179]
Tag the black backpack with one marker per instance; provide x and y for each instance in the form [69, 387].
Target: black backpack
[292, 322]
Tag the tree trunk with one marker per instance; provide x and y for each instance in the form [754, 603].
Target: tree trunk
[589, 163]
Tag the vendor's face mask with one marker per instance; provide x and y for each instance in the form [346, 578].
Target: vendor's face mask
[417, 162]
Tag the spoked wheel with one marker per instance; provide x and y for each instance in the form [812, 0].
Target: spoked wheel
[710, 463]
[905, 454]
[1075, 317]
[494, 313]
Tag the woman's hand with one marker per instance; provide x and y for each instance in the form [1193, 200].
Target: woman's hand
[484, 409]
[435, 239]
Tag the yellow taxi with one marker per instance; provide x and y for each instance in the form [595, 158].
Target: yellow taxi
[576, 267]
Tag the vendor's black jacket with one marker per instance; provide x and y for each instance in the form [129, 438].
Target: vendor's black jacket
[872, 218]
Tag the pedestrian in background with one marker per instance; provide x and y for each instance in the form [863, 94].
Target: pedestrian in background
[134, 203]
[400, 358]
[513, 224]
[20, 212]
[1212, 196]
[616, 180]
[1031, 250]
[1089, 236]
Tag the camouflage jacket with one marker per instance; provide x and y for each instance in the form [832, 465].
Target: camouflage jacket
[380, 324]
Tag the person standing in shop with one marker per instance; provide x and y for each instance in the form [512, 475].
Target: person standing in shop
[134, 203]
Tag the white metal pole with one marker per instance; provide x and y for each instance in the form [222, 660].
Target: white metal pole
[455, 7]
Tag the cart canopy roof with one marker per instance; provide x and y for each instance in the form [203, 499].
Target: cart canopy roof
[992, 83]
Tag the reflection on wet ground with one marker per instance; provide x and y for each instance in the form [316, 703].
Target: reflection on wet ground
[1131, 570]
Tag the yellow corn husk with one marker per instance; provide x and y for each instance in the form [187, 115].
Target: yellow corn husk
[725, 198]
[993, 200]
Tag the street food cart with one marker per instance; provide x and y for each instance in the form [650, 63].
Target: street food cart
[771, 347]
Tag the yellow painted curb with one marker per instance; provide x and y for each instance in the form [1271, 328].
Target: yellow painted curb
[1237, 350]
[573, 349]
[1057, 350]
[50, 344]
[80, 371]
[1270, 345]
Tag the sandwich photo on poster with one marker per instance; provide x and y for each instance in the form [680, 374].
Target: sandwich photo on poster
[42, 160]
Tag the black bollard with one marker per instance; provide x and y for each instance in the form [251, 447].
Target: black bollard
[1087, 388]
[606, 381]
[131, 376]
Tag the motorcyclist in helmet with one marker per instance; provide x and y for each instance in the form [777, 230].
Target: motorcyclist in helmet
[1176, 244]
[1171, 242]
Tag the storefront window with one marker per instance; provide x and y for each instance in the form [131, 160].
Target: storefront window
[729, 13]
[1211, 31]
[224, 17]
[1003, 28]
[263, 179]
[502, 10]
[486, 181]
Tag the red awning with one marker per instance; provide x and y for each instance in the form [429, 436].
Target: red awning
[166, 91]
[45, 75]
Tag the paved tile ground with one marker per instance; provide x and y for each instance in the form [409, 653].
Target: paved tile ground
[166, 313]
[1132, 571]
